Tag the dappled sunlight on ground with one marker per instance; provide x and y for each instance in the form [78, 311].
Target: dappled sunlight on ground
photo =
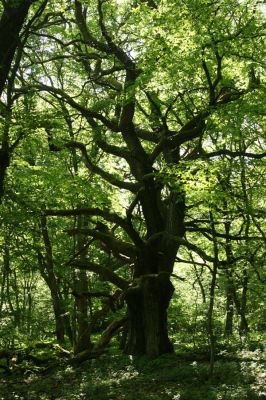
[168, 377]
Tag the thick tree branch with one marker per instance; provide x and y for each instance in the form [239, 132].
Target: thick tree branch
[152, 137]
[115, 150]
[209, 80]
[120, 54]
[111, 217]
[107, 274]
[60, 94]
[118, 247]
[91, 294]
[126, 126]
[212, 85]
[88, 38]
[133, 187]
[181, 242]
[109, 332]
[138, 161]
[191, 130]
[222, 235]
[225, 152]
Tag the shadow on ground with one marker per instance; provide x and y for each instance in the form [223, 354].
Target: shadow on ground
[168, 377]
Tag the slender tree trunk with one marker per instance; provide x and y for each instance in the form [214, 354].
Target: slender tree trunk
[19, 317]
[243, 327]
[2, 292]
[240, 311]
[83, 327]
[81, 301]
[58, 312]
[14, 308]
[210, 330]
[47, 270]
[29, 311]
[198, 279]
[228, 329]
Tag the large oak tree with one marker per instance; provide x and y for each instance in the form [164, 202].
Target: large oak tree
[151, 88]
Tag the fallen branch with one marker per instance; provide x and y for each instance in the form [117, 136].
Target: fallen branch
[84, 356]
[109, 332]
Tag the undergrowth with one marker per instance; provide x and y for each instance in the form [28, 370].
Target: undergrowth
[122, 377]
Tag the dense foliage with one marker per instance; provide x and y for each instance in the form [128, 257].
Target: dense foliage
[132, 164]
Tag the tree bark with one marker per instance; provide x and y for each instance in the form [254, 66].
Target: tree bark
[243, 328]
[59, 310]
[11, 22]
[46, 265]
[81, 301]
[148, 300]
[228, 329]
[210, 327]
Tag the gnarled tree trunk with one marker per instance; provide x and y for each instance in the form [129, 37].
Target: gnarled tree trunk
[148, 300]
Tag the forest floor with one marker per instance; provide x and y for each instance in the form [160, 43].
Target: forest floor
[185, 376]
